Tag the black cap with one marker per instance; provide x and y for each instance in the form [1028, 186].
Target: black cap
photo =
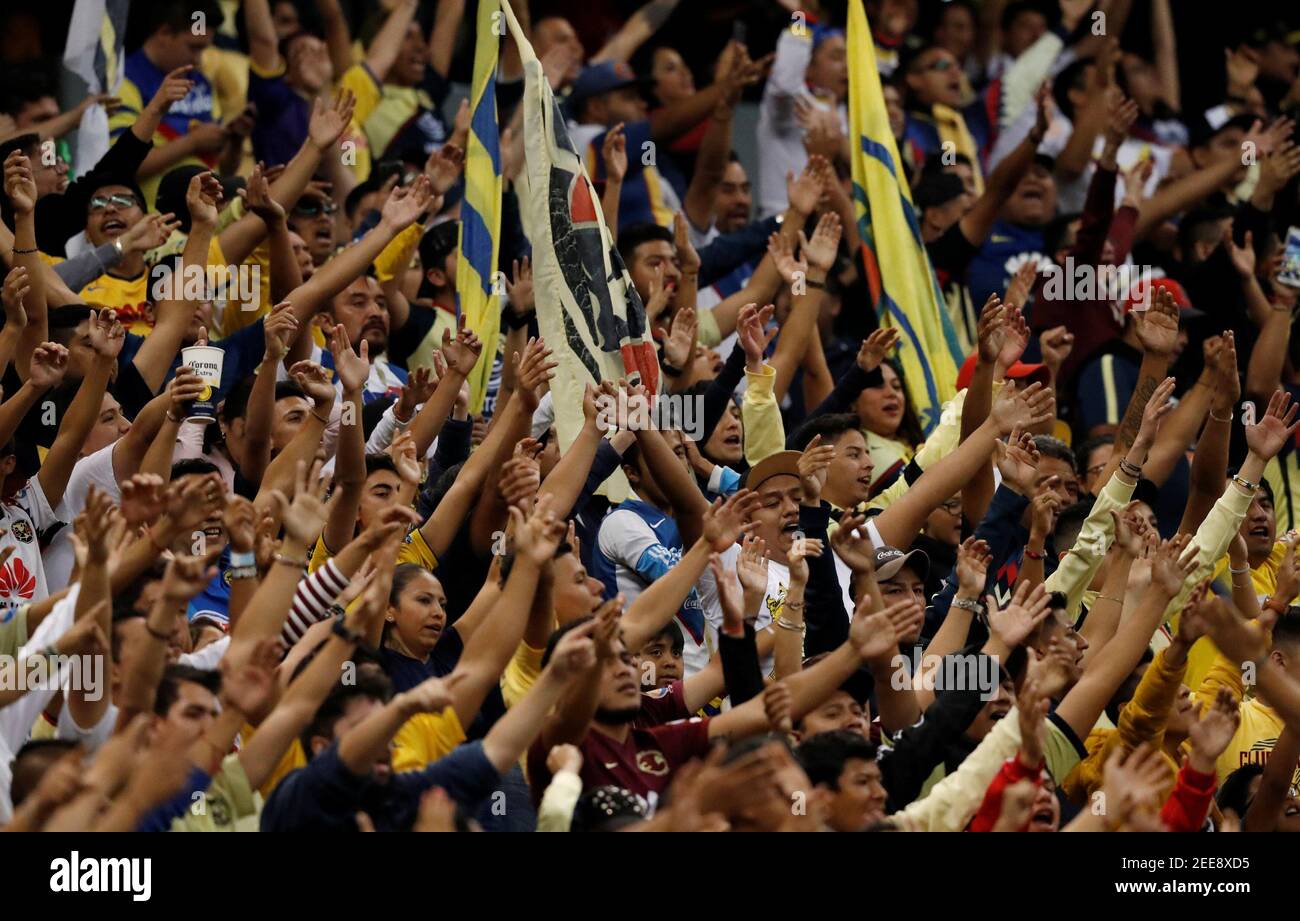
[608, 808]
[889, 560]
[937, 189]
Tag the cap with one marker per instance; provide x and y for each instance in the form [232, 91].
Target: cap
[1020, 371]
[889, 560]
[604, 77]
[608, 808]
[782, 463]
[1139, 294]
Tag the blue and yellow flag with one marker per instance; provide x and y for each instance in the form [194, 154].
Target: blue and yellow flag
[480, 212]
[904, 289]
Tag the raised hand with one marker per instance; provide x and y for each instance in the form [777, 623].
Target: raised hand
[988, 331]
[814, 468]
[186, 576]
[680, 344]
[800, 549]
[614, 154]
[315, 382]
[1133, 782]
[1016, 622]
[174, 87]
[462, 353]
[519, 290]
[1131, 530]
[1043, 509]
[778, 705]
[48, 365]
[539, 535]
[279, 330]
[751, 570]
[1056, 344]
[876, 347]
[143, 499]
[1211, 733]
[353, 369]
[304, 517]
[787, 264]
[577, 652]
[1238, 639]
[191, 501]
[203, 198]
[184, 388]
[873, 634]
[1173, 561]
[406, 204]
[733, 602]
[726, 520]
[257, 197]
[1270, 434]
[686, 254]
[804, 193]
[17, 286]
[330, 120]
[107, 335]
[1158, 406]
[1157, 327]
[973, 561]
[852, 547]
[1015, 408]
[821, 249]
[240, 521]
[150, 232]
[444, 167]
[433, 695]
[751, 329]
[1018, 462]
[20, 182]
[521, 477]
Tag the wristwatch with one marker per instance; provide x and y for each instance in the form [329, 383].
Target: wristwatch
[341, 631]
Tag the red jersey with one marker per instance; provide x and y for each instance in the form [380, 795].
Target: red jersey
[643, 763]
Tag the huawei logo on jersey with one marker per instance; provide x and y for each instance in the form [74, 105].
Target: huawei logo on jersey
[652, 762]
[16, 580]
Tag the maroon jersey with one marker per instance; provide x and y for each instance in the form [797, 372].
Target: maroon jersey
[663, 705]
[643, 763]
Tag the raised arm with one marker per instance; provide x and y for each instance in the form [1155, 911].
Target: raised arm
[1083, 704]
[20, 187]
[154, 359]
[387, 43]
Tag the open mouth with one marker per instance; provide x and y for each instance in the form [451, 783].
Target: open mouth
[791, 527]
[998, 714]
[1261, 532]
[1291, 810]
[113, 225]
[1041, 818]
[732, 441]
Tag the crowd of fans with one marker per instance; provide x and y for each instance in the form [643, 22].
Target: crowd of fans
[352, 601]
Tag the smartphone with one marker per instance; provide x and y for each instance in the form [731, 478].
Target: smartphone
[1289, 274]
[738, 32]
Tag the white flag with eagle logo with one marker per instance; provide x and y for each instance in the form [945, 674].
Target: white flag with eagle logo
[588, 310]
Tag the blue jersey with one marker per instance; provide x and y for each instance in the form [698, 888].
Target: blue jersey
[636, 545]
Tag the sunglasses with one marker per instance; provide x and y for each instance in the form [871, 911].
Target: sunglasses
[100, 202]
[313, 208]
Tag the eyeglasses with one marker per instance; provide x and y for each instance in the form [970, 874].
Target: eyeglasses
[100, 202]
[313, 208]
[952, 507]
